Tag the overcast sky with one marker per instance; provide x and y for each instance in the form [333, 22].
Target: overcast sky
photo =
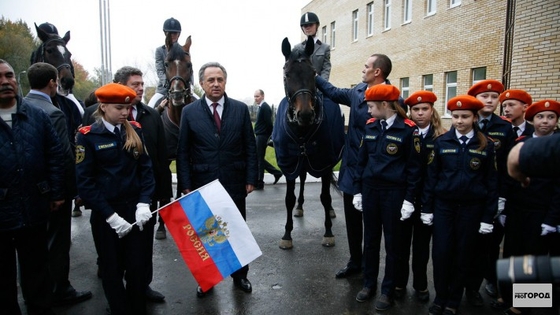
[245, 36]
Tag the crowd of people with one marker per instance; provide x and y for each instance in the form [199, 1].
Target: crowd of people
[404, 177]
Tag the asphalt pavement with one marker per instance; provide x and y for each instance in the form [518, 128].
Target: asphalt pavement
[285, 282]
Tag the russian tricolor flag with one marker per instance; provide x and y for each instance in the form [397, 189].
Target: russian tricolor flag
[210, 233]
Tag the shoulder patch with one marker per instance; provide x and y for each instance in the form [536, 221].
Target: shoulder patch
[370, 121]
[409, 122]
[135, 123]
[506, 119]
[84, 130]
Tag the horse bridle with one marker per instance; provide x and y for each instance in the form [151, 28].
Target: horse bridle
[62, 65]
[184, 93]
[291, 98]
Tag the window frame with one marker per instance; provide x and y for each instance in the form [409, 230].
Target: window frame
[387, 15]
[370, 18]
[407, 11]
[448, 86]
[355, 25]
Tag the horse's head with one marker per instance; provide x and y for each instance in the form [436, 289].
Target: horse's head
[53, 50]
[299, 83]
[179, 72]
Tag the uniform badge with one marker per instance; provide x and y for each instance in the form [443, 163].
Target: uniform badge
[497, 144]
[392, 148]
[80, 154]
[417, 144]
[135, 153]
[475, 163]
[431, 157]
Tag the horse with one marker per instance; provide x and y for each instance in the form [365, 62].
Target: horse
[53, 50]
[307, 136]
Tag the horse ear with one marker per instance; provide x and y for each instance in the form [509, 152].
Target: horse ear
[309, 46]
[41, 34]
[66, 37]
[286, 48]
[188, 43]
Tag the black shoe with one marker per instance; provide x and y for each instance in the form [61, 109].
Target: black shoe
[474, 298]
[490, 289]
[346, 272]
[384, 302]
[422, 296]
[435, 310]
[259, 187]
[364, 295]
[498, 305]
[399, 293]
[243, 284]
[200, 293]
[277, 178]
[154, 296]
[71, 297]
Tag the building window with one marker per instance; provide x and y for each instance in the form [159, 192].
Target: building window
[407, 11]
[387, 22]
[324, 32]
[428, 82]
[333, 33]
[454, 3]
[478, 74]
[355, 25]
[450, 88]
[431, 7]
[405, 88]
[369, 18]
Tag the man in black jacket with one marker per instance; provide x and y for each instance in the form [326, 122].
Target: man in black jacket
[263, 130]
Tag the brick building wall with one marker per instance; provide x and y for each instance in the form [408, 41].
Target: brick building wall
[456, 38]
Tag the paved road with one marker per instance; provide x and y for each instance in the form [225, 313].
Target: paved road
[297, 281]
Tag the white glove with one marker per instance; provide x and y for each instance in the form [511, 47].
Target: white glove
[406, 210]
[143, 214]
[485, 228]
[502, 219]
[501, 206]
[547, 229]
[427, 218]
[119, 225]
[357, 202]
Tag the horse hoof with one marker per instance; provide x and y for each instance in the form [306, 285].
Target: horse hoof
[286, 244]
[328, 241]
[332, 214]
[298, 213]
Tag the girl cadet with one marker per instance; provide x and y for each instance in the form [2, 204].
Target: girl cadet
[533, 212]
[460, 199]
[115, 178]
[389, 164]
[412, 231]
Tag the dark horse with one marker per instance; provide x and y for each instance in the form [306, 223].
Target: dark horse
[307, 136]
[53, 50]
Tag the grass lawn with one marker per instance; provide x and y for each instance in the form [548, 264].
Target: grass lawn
[270, 157]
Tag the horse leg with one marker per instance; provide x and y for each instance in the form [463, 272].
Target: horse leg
[299, 210]
[290, 201]
[326, 201]
[332, 179]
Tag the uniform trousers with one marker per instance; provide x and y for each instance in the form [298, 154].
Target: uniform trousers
[261, 143]
[455, 230]
[354, 232]
[413, 232]
[30, 246]
[123, 258]
[381, 214]
[58, 233]
[486, 258]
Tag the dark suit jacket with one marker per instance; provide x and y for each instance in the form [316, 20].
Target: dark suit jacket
[263, 124]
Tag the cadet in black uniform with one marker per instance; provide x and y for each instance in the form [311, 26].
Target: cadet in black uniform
[389, 165]
[460, 198]
[412, 231]
[500, 132]
[115, 179]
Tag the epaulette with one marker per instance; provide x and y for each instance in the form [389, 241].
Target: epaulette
[135, 123]
[505, 118]
[409, 122]
[370, 121]
[84, 130]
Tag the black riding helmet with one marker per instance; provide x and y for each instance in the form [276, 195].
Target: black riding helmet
[172, 25]
[48, 28]
[309, 18]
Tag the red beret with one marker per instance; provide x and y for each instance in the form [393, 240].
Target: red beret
[382, 92]
[464, 102]
[486, 86]
[542, 106]
[519, 95]
[421, 97]
[114, 93]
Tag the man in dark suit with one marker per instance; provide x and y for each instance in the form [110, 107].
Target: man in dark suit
[43, 82]
[216, 141]
[154, 138]
[263, 130]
